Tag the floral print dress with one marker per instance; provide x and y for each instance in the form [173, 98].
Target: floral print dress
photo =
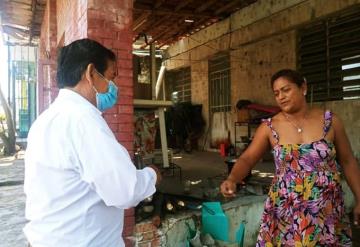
[305, 205]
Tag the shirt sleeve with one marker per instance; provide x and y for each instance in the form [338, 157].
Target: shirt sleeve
[107, 167]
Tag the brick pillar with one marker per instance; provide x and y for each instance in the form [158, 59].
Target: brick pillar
[110, 23]
[46, 87]
[72, 20]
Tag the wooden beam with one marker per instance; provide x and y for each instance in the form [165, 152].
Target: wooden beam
[227, 6]
[206, 5]
[173, 27]
[156, 23]
[141, 20]
[33, 10]
[164, 11]
[159, 35]
[28, 5]
[175, 37]
[158, 3]
[13, 31]
[182, 5]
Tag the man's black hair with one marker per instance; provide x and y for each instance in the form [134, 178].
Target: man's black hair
[74, 58]
[289, 74]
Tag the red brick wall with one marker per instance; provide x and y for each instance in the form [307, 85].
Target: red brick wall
[149, 235]
[47, 89]
[71, 20]
[108, 22]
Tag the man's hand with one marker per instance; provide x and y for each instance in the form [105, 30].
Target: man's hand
[228, 188]
[158, 173]
[156, 221]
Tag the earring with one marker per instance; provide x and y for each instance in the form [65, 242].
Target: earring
[304, 93]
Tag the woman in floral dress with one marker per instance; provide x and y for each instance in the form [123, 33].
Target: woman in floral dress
[305, 206]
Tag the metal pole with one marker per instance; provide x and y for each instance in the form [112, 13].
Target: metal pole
[9, 73]
[28, 90]
[164, 89]
[36, 83]
[13, 88]
[153, 70]
[164, 145]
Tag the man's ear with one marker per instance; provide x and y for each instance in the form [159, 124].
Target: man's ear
[89, 73]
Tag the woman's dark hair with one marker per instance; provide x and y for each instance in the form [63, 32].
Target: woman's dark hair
[289, 74]
[74, 58]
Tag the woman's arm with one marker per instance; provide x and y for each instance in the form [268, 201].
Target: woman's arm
[247, 160]
[348, 163]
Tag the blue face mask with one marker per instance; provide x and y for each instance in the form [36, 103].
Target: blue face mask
[106, 100]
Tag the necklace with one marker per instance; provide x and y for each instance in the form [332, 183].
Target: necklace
[299, 128]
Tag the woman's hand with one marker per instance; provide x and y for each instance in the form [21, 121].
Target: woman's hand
[228, 188]
[356, 213]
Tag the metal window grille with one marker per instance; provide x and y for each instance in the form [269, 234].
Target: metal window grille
[329, 57]
[22, 86]
[181, 83]
[220, 83]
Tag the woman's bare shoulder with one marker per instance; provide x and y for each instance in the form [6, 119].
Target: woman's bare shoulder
[278, 116]
[263, 130]
[316, 112]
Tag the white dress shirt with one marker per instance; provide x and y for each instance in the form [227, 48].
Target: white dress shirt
[78, 178]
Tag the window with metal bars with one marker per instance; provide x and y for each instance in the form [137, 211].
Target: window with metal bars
[329, 57]
[220, 83]
[180, 81]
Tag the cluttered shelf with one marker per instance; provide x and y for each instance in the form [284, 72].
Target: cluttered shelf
[249, 117]
[243, 134]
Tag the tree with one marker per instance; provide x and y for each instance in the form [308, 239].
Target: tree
[7, 135]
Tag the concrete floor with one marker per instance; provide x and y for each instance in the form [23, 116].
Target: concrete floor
[205, 171]
[12, 202]
[198, 166]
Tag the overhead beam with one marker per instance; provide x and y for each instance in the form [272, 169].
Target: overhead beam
[182, 4]
[22, 3]
[33, 10]
[20, 14]
[141, 20]
[156, 37]
[155, 23]
[158, 3]
[178, 25]
[205, 6]
[170, 28]
[164, 11]
[227, 6]
[7, 27]
[174, 37]
[12, 31]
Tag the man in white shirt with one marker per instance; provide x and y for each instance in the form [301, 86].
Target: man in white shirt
[78, 178]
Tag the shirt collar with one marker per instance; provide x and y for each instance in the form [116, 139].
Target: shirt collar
[66, 94]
